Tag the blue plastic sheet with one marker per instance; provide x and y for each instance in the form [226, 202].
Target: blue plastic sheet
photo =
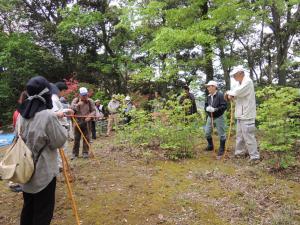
[6, 139]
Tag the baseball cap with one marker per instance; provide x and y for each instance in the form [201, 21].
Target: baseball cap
[212, 83]
[83, 91]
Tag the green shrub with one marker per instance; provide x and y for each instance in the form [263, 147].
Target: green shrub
[278, 117]
[170, 130]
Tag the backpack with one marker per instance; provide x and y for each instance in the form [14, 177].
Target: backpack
[18, 165]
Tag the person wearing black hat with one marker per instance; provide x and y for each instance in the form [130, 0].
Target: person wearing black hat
[43, 134]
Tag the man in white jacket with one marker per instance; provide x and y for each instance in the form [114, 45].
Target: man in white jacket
[245, 113]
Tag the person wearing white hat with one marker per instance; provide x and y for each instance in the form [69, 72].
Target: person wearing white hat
[215, 106]
[84, 107]
[245, 113]
[128, 107]
[113, 117]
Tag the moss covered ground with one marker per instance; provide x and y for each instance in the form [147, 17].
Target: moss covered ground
[130, 188]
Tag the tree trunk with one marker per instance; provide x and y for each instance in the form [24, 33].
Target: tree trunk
[208, 65]
[224, 67]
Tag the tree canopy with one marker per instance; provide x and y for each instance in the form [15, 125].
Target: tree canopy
[122, 46]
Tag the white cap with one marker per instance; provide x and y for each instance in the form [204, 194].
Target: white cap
[212, 83]
[127, 98]
[83, 91]
[237, 69]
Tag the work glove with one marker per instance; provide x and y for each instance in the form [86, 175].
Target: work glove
[210, 109]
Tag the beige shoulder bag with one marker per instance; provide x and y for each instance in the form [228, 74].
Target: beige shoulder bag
[17, 164]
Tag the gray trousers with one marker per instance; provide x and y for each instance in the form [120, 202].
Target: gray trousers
[219, 123]
[245, 139]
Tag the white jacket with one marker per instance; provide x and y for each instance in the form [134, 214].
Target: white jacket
[244, 95]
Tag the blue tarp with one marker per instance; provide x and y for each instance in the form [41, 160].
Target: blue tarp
[6, 139]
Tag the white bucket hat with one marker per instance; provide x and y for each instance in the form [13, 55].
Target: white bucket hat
[237, 69]
[212, 83]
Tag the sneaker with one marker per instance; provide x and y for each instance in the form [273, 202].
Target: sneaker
[219, 157]
[254, 161]
[74, 157]
[240, 156]
[85, 155]
[16, 188]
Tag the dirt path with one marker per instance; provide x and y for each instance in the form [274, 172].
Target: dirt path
[126, 189]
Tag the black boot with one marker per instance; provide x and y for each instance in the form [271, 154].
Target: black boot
[222, 147]
[210, 145]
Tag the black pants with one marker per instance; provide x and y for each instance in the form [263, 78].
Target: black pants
[93, 129]
[38, 208]
[77, 137]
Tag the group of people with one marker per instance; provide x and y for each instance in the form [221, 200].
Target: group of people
[42, 116]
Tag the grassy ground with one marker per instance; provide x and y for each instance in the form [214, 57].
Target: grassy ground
[127, 188]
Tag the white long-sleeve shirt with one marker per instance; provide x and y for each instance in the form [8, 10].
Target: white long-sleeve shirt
[58, 107]
[244, 96]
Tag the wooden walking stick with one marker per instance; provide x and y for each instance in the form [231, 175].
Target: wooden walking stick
[229, 131]
[69, 187]
[212, 132]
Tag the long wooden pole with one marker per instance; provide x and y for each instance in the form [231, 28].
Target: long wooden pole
[69, 187]
[212, 132]
[90, 148]
[84, 138]
[229, 131]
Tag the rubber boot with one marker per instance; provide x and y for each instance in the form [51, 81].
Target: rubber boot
[210, 145]
[222, 147]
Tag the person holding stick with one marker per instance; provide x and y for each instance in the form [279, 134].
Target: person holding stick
[84, 107]
[215, 106]
[245, 113]
[43, 134]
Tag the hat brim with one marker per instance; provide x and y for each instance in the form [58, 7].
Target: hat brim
[206, 85]
[236, 73]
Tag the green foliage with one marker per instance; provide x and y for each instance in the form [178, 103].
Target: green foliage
[5, 101]
[170, 130]
[279, 122]
[99, 94]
